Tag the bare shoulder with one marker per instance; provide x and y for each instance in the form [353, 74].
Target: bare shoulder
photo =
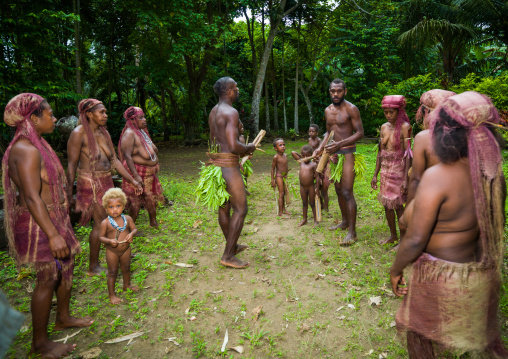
[350, 108]
[406, 126]
[436, 176]
[77, 134]
[422, 136]
[24, 149]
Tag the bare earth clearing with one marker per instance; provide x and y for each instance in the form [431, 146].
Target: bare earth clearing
[314, 298]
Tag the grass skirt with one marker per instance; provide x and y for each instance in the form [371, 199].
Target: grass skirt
[90, 190]
[336, 168]
[152, 189]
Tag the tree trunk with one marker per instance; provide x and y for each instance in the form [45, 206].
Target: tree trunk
[164, 116]
[307, 102]
[76, 9]
[274, 94]
[296, 78]
[284, 89]
[250, 32]
[267, 102]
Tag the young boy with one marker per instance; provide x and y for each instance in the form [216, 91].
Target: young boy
[322, 179]
[116, 232]
[307, 175]
[393, 160]
[279, 175]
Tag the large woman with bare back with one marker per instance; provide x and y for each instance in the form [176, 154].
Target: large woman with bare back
[37, 222]
[91, 153]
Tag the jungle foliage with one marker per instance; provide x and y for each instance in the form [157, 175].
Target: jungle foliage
[164, 56]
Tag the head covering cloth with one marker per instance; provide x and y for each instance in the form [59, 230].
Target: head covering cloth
[87, 105]
[17, 114]
[476, 113]
[398, 102]
[130, 115]
[430, 100]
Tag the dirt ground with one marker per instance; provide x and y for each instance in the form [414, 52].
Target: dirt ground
[303, 295]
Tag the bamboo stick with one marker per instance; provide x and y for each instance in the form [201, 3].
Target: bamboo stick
[256, 142]
[306, 159]
[318, 209]
[325, 156]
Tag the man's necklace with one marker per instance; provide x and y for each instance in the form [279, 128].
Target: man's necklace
[116, 226]
[149, 142]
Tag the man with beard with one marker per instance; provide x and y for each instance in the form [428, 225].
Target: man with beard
[343, 118]
[223, 170]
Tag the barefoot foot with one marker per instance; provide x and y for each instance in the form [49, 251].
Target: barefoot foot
[389, 240]
[316, 223]
[241, 248]
[395, 248]
[73, 322]
[96, 270]
[51, 350]
[131, 287]
[350, 239]
[341, 225]
[302, 222]
[286, 212]
[154, 224]
[115, 300]
[234, 262]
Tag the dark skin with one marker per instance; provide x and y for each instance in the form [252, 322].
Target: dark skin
[343, 118]
[118, 249]
[280, 166]
[77, 153]
[307, 189]
[135, 152]
[314, 142]
[423, 158]
[27, 170]
[387, 143]
[223, 121]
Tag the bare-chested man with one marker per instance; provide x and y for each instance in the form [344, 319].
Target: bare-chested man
[223, 122]
[424, 156]
[455, 238]
[91, 154]
[139, 156]
[37, 222]
[343, 118]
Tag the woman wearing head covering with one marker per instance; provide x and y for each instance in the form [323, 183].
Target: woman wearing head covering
[139, 156]
[455, 237]
[424, 156]
[91, 152]
[393, 160]
[37, 222]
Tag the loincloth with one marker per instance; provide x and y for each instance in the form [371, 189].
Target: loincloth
[337, 164]
[345, 150]
[392, 177]
[284, 177]
[32, 245]
[211, 190]
[452, 304]
[152, 189]
[89, 192]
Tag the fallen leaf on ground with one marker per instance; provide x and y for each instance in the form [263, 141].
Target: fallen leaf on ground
[114, 320]
[187, 310]
[223, 349]
[342, 317]
[257, 311]
[64, 340]
[370, 352]
[193, 318]
[197, 224]
[125, 337]
[193, 292]
[255, 230]
[168, 349]
[392, 324]
[383, 355]
[320, 276]
[305, 327]
[217, 291]
[91, 353]
[238, 349]
[375, 300]
[340, 308]
[351, 306]
[168, 262]
[184, 265]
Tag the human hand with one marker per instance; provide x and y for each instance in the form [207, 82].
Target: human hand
[128, 238]
[373, 183]
[114, 243]
[58, 247]
[316, 153]
[273, 184]
[138, 179]
[398, 280]
[403, 189]
[139, 188]
[333, 147]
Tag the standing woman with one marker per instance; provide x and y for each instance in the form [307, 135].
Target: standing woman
[90, 147]
[37, 224]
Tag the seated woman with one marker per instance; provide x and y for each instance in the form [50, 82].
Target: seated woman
[455, 237]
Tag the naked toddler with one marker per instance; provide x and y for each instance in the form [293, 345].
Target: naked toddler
[116, 232]
[307, 176]
[279, 175]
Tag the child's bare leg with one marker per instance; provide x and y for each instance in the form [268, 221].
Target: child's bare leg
[324, 194]
[390, 218]
[280, 187]
[304, 193]
[125, 263]
[312, 200]
[112, 260]
[152, 214]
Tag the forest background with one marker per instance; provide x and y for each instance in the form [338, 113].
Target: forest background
[165, 55]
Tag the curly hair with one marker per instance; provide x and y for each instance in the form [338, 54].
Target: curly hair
[276, 140]
[221, 86]
[113, 193]
[338, 81]
[306, 149]
[314, 126]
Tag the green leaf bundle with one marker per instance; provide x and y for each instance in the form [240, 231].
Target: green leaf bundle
[211, 190]
[336, 169]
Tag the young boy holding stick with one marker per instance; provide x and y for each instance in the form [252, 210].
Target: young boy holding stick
[307, 176]
[279, 175]
[116, 232]
[323, 178]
